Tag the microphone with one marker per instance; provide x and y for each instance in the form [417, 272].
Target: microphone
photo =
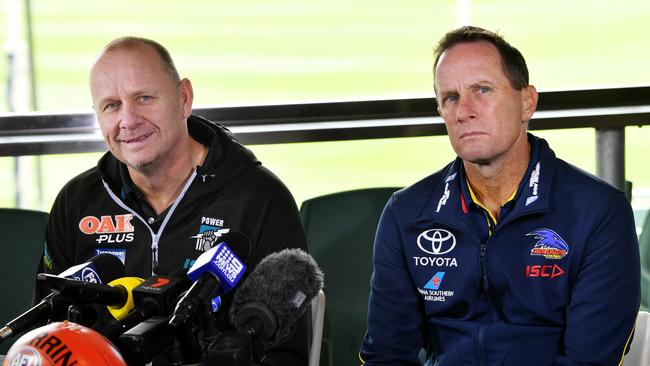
[98, 269]
[275, 295]
[155, 296]
[215, 272]
[145, 332]
[102, 268]
[85, 292]
[120, 311]
[116, 296]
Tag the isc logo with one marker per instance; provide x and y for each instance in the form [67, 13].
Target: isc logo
[544, 271]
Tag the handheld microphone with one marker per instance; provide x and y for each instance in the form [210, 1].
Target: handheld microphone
[155, 296]
[85, 292]
[145, 331]
[215, 272]
[100, 268]
[275, 295]
[117, 296]
[120, 311]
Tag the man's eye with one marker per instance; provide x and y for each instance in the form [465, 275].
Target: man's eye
[110, 107]
[451, 98]
[484, 89]
[144, 98]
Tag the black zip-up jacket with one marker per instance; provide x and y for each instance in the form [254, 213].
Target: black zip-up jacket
[231, 191]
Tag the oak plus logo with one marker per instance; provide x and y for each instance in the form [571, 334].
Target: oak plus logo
[436, 242]
[110, 229]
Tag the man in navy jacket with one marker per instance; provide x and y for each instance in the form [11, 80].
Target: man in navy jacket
[508, 255]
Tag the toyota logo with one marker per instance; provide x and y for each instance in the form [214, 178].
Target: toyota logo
[436, 241]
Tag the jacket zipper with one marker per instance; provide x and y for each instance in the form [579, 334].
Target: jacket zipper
[483, 261]
[155, 237]
[154, 256]
[485, 286]
[480, 340]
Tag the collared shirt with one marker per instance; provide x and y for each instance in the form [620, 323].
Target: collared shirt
[133, 197]
[483, 220]
[483, 217]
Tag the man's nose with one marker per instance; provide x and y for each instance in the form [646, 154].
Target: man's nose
[129, 116]
[466, 109]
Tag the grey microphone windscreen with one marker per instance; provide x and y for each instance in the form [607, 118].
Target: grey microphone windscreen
[285, 282]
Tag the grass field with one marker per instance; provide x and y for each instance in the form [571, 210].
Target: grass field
[257, 51]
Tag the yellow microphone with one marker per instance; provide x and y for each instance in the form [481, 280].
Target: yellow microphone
[128, 284]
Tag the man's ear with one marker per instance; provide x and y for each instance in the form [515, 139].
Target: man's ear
[529, 99]
[187, 96]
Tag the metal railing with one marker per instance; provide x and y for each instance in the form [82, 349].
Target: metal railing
[607, 110]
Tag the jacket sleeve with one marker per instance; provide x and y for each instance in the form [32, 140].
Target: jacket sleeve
[606, 293]
[395, 332]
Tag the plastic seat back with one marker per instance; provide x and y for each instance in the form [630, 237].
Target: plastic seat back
[340, 231]
[22, 238]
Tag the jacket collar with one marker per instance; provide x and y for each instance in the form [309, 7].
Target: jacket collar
[449, 204]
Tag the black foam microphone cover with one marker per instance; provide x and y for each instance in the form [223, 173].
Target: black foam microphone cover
[284, 283]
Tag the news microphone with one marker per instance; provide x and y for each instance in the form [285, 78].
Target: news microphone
[98, 269]
[102, 268]
[82, 295]
[85, 292]
[120, 311]
[145, 331]
[275, 295]
[155, 296]
[214, 272]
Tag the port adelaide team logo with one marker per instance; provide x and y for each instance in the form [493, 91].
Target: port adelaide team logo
[436, 243]
[210, 230]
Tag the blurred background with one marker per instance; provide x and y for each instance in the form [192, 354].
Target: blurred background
[257, 52]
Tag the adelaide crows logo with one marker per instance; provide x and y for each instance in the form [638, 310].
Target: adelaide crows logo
[549, 244]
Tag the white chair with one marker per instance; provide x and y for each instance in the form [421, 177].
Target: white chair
[639, 354]
[317, 320]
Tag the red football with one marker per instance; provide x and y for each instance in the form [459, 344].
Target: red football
[63, 343]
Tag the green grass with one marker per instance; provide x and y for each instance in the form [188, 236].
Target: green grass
[258, 51]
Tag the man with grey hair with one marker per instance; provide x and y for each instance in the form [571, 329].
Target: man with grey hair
[508, 255]
[171, 184]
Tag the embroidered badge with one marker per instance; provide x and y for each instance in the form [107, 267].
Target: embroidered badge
[549, 244]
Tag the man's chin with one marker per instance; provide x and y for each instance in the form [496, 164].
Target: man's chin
[139, 163]
[477, 158]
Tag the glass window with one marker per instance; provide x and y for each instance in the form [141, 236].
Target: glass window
[256, 52]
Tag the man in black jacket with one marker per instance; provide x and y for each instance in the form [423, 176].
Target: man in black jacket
[171, 184]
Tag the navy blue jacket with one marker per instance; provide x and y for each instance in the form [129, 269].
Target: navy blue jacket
[556, 282]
